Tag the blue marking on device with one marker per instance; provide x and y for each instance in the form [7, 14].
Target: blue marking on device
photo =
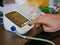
[13, 28]
[1, 20]
[30, 24]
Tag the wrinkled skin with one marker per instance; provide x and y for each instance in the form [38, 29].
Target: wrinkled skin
[50, 22]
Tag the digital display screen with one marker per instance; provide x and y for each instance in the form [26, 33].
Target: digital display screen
[17, 18]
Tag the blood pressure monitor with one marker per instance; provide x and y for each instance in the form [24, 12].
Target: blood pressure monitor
[16, 21]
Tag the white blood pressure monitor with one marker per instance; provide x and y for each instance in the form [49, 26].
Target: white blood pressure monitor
[16, 21]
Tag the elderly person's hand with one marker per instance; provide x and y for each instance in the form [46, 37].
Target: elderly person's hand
[50, 22]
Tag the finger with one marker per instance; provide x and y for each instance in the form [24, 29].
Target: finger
[36, 21]
[41, 19]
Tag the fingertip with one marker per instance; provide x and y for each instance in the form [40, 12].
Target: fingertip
[30, 22]
[33, 22]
